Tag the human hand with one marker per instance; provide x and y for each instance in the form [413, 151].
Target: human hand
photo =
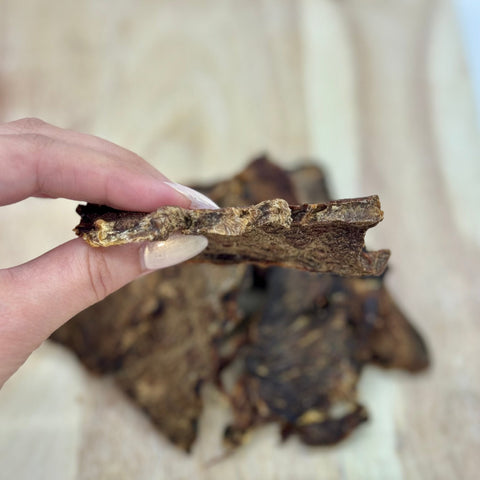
[38, 159]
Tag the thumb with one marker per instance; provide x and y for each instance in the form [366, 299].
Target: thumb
[39, 296]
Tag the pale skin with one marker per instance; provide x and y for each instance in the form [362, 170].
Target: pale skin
[38, 159]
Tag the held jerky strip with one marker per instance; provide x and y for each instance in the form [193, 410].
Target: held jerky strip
[324, 237]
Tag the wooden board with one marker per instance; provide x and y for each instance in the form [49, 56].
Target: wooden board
[377, 90]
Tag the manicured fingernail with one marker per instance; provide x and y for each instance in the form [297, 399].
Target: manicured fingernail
[176, 249]
[198, 200]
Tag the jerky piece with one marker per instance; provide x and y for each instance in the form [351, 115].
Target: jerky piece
[309, 339]
[156, 337]
[260, 180]
[306, 352]
[300, 368]
[310, 184]
[393, 342]
[325, 237]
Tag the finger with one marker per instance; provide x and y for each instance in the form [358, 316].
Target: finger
[38, 165]
[39, 127]
[38, 297]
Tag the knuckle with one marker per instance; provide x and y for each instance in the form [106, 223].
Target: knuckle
[98, 274]
[31, 133]
[28, 124]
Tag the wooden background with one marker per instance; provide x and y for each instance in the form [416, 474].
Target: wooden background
[378, 90]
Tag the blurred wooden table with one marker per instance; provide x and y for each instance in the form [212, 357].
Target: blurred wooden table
[376, 89]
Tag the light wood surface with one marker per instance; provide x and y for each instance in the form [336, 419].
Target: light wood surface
[377, 90]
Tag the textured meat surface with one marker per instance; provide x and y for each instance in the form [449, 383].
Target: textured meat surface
[324, 237]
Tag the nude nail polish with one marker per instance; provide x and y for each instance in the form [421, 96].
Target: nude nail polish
[198, 200]
[176, 249]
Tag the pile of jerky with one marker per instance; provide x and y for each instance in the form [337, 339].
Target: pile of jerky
[301, 339]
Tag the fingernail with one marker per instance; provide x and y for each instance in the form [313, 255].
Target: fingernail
[176, 249]
[197, 199]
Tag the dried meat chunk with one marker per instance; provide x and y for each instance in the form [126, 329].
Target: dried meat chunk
[307, 348]
[309, 338]
[260, 180]
[157, 338]
[325, 237]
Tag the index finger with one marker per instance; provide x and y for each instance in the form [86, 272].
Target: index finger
[38, 165]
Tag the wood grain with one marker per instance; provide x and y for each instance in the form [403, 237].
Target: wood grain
[378, 90]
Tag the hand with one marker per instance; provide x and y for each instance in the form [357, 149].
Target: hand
[38, 159]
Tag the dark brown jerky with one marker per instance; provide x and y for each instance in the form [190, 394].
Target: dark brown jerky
[307, 348]
[157, 338]
[309, 184]
[166, 334]
[325, 237]
[309, 338]
[260, 180]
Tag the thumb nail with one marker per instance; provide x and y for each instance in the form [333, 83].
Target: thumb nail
[175, 249]
[197, 199]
